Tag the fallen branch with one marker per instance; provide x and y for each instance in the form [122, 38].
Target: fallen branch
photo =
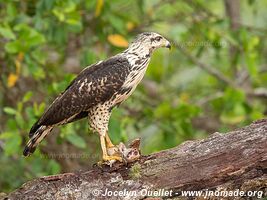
[236, 160]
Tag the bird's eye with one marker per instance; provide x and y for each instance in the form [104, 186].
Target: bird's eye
[158, 38]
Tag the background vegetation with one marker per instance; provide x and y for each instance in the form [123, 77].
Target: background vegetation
[214, 78]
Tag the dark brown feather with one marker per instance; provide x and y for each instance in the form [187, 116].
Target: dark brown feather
[110, 73]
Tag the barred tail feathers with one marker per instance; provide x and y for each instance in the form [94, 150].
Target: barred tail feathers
[36, 138]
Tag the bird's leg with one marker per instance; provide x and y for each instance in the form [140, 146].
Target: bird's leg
[114, 150]
[107, 157]
[108, 141]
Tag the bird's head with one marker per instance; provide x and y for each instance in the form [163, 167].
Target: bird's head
[148, 42]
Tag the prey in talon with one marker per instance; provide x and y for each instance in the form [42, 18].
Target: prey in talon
[128, 154]
[94, 93]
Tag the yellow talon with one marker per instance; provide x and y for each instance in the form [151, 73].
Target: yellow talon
[111, 153]
[108, 141]
[108, 158]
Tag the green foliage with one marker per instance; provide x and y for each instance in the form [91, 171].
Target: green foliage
[45, 43]
[68, 132]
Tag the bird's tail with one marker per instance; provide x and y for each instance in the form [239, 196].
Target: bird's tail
[36, 137]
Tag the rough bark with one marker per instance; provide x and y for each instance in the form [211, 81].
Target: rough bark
[235, 160]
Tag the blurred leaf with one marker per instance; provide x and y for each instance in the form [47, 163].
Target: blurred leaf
[99, 6]
[233, 96]
[130, 26]
[12, 79]
[59, 14]
[253, 42]
[39, 73]
[12, 142]
[39, 56]
[6, 32]
[76, 140]
[19, 106]
[10, 110]
[18, 66]
[38, 110]
[13, 47]
[118, 40]
[32, 36]
[20, 120]
[117, 23]
[69, 6]
[251, 59]
[41, 108]
[232, 119]
[53, 167]
[11, 11]
[163, 110]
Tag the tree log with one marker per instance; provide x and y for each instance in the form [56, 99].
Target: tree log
[235, 161]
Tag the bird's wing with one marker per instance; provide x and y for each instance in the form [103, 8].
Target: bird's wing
[93, 85]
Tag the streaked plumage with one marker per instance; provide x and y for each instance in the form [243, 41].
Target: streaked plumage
[97, 89]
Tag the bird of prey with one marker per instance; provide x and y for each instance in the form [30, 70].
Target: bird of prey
[97, 90]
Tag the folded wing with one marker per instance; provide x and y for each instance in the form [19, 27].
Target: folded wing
[95, 84]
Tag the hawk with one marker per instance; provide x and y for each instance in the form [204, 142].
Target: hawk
[97, 90]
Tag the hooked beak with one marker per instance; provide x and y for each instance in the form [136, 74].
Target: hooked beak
[168, 44]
